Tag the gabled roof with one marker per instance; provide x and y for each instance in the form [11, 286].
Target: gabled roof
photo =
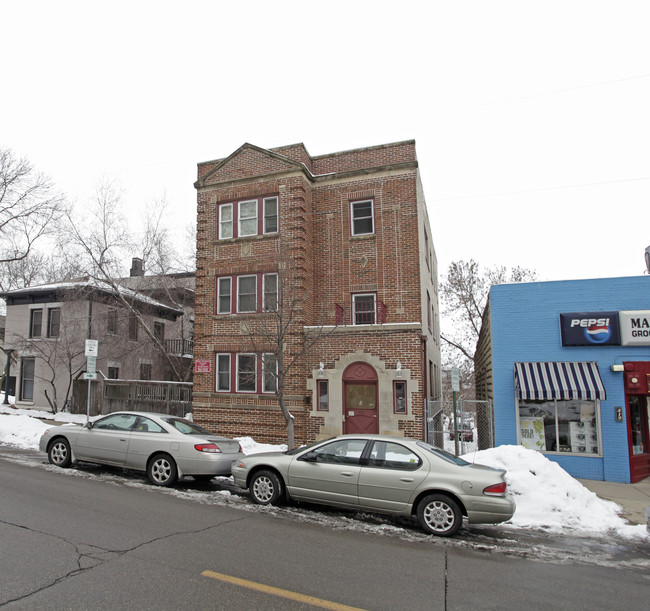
[276, 163]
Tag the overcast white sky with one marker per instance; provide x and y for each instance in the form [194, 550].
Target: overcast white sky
[532, 120]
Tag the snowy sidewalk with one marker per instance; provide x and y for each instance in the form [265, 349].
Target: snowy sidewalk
[634, 498]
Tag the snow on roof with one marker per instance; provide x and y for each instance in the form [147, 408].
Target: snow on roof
[91, 284]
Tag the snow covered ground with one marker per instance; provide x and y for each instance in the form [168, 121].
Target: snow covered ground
[548, 498]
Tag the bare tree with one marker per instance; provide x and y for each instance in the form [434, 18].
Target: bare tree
[464, 292]
[277, 336]
[99, 248]
[63, 352]
[30, 208]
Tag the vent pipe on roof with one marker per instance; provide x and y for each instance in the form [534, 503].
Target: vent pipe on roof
[137, 267]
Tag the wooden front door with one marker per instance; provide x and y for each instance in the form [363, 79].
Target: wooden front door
[360, 400]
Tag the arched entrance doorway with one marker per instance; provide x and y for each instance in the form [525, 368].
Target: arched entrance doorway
[360, 399]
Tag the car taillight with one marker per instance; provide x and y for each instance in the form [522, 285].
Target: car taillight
[496, 489]
[207, 447]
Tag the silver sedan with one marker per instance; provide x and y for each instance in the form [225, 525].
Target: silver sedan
[163, 446]
[382, 474]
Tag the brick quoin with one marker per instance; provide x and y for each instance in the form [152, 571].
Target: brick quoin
[323, 265]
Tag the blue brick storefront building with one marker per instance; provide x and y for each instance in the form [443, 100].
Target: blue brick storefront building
[567, 366]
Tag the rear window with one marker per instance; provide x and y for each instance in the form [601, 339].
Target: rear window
[186, 427]
[442, 454]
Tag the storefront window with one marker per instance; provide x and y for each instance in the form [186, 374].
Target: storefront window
[559, 426]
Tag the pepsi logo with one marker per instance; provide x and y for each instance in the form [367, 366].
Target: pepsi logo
[598, 334]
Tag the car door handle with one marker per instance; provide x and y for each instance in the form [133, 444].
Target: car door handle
[347, 473]
[406, 480]
[124, 440]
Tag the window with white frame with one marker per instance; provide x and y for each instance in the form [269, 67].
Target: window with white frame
[270, 214]
[225, 221]
[362, 220]
[223, 372]
[246, 373]
[363, 309]
[248, 217]
[269, 372]
[247, 293]
[224, 295]
[270, 282]
[247, 225]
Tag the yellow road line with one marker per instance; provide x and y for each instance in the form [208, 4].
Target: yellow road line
[260, 587]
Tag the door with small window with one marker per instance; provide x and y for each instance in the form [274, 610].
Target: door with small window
[360, 404]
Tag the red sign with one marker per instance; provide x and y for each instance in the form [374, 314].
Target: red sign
[202, 366]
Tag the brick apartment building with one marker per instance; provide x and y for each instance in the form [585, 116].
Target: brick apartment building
[337, 249]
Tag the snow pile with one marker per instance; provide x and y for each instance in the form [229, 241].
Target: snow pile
[249, 446]
[548, 498]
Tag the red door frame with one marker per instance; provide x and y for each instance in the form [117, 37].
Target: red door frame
[637, 378]
[360, 373]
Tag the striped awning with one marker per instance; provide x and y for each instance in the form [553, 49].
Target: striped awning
[554, 380]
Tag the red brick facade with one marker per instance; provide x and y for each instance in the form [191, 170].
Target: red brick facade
[388, 267]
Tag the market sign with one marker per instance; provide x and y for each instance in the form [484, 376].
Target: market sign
[590, 329]
[635, 327]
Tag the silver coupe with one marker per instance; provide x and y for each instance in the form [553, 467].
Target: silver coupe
[382, 474]
[163, 446]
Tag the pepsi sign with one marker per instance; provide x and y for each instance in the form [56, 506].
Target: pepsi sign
[590, 329]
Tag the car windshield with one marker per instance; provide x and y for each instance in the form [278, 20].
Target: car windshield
[186, 427]
[442, 454]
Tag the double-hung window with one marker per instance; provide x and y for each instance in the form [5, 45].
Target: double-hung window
[224, 295]
[247, 218]
[223, 372]
[247, 294]
[225, 221]
[362, 217]
[27, 371]
[36, 323]
[270, 214]
[270, 282]
[269, 372]
[364, 309]
[53, 322]
[246, 373]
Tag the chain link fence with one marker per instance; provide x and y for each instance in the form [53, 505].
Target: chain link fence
[472, 429]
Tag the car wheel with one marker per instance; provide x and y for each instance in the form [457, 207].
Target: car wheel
[59, 453]
[162, 470]
[265, 488]
[439, 515]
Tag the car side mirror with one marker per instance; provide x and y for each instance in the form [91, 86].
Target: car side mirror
[89, 425]
[309, 457]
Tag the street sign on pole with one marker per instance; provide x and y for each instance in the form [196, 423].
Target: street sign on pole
[91, 347]
[455, 379]
[91, 364]
[90, 376]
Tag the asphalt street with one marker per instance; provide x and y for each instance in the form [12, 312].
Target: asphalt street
[103, 538]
